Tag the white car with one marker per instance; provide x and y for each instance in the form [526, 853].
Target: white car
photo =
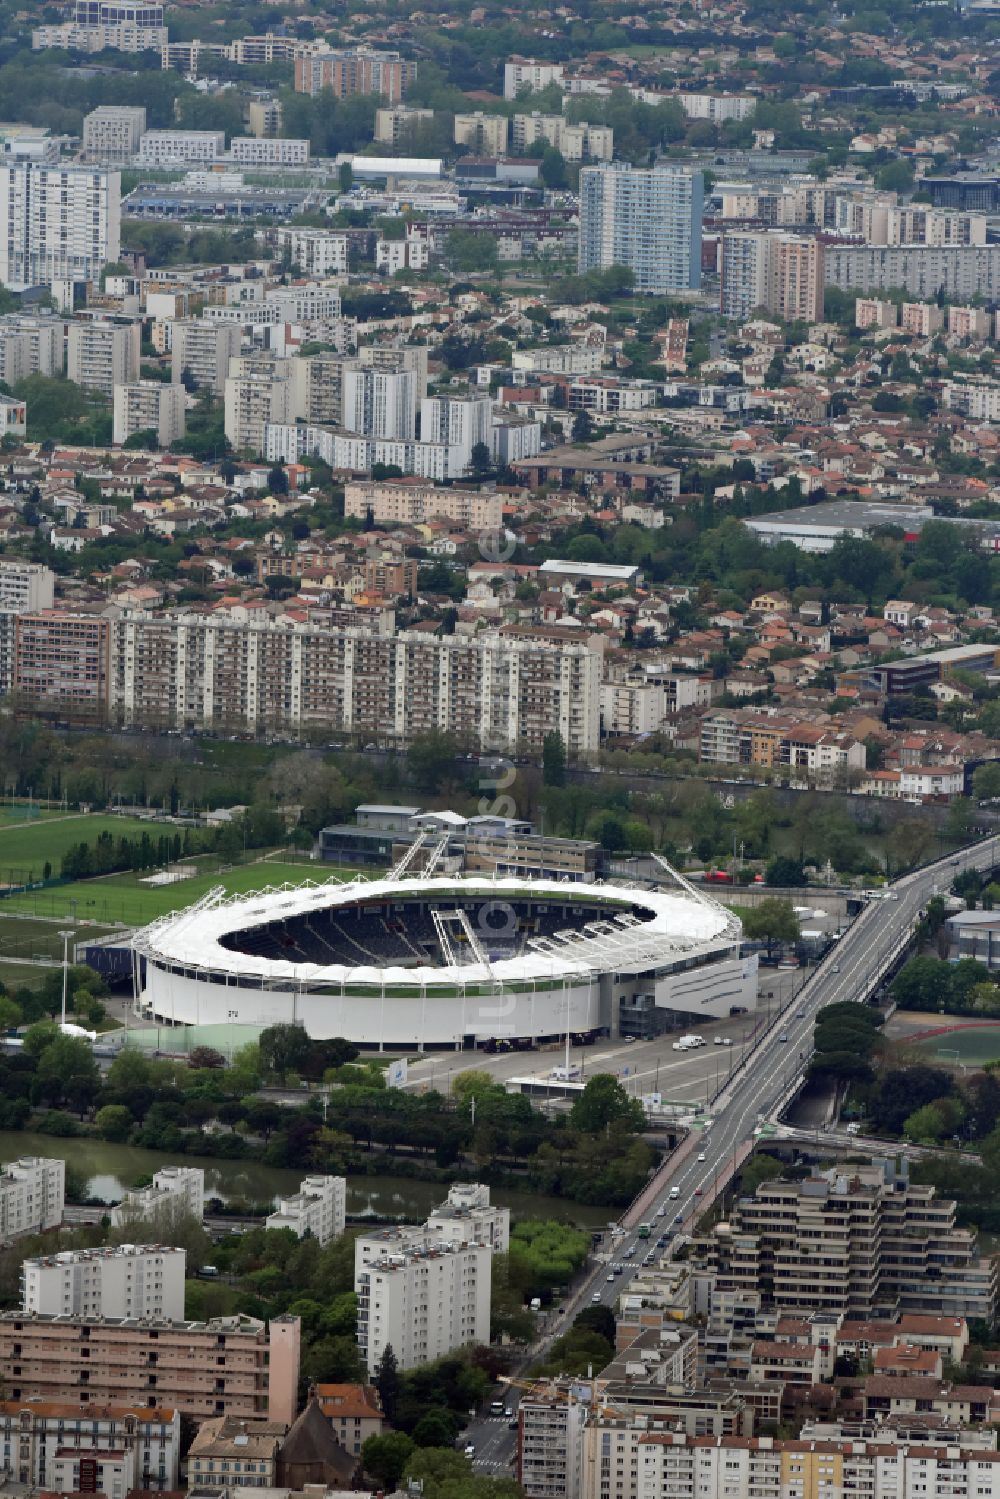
[702, 1157]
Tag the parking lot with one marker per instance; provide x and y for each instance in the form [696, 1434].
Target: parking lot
[641, 1066]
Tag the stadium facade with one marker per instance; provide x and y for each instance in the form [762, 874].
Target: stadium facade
[447, 961]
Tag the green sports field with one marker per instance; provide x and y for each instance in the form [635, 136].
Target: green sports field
[967, 1048]
[26, 847]
[121, 897]
[22, 815]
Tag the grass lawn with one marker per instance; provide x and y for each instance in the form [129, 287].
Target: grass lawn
[25, 847]
[22, 975]
[17, 816]
[120, 897]
[25, 938]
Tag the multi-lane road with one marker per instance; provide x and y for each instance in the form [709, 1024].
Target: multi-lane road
[757, 1089]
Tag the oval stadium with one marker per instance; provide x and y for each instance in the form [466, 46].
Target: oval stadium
[447, 961]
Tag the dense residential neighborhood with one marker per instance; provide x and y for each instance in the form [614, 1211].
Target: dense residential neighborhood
[500, 750]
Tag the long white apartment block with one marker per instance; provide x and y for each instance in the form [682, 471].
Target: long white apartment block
[318, 1208]
[508, 441]
[32, 1195]
[279, 151]
[183, 668]
[671, 1464]
[175, 1190]
[131, 1280]
[163, 147]
[124, 36]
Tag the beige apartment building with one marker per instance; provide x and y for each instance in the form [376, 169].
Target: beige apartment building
[61, 662]
[204, 350]
[409, 502]
[264, 118]
[236, 1366]
[862, 1241]
[148, 406]
[883, 1467]
[102, 354]
[483, 134]
[575, 142]
[397, 126]
[259, 391]
[229, 1451]
[111, 133]
[490, 690]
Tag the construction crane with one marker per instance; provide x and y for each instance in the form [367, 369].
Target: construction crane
[543, 1391]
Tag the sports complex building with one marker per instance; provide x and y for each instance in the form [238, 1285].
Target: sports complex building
[447, 960]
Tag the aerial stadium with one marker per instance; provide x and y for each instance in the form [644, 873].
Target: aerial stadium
[426, 960]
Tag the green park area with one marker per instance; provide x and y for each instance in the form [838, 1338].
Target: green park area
[123, 898]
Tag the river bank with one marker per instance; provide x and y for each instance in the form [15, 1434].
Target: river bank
[109, 1169]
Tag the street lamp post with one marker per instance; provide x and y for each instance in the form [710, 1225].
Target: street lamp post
[66, 935]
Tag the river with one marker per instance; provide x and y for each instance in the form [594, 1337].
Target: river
[110, 1169]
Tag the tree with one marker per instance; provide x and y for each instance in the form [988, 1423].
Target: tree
[771, 920]
[430, 757]
[553, 759]
[283, 1048]
[602, 1101]
[986, 780]
[922, 984]
[785, 873]
[114, 1122]
[480, 461]
[435, 1429]
[926, 1123]
[11, 1014]
[583, 426]
[386, 1457]
[599, 1319]
[39, 1037]
[761, 1167]
[66, 1060]
[387, 1382]
[553, 169]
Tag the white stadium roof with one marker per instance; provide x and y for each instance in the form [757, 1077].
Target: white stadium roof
[680, 921]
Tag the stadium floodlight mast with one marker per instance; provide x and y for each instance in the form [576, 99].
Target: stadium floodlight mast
[65, 935]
